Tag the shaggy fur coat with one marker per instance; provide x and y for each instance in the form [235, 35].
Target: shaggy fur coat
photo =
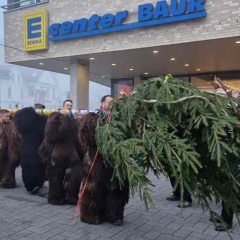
[102, 200]
[9, 150]
[31, 127]
[60, 150]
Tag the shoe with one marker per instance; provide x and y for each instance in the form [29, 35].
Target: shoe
[185, 204]
[118, 222]
[223, 228]
[172, 198]
[215, 219]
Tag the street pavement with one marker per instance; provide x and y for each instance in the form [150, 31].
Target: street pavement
[28, 217]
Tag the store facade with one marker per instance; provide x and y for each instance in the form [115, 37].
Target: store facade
[118, 43]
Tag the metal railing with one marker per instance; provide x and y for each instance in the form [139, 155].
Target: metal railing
[22, 4]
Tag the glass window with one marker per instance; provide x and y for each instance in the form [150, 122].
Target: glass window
[53, 93]
[21, 3]
[204, 82]
[21, 94]
[9, 92]
[11, 76]
[31, 91]
[122, 86]
[25, 3]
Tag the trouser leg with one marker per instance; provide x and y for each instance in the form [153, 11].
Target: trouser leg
[227, 216]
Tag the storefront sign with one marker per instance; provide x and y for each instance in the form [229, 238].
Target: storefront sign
[148, 15]
[34, 31]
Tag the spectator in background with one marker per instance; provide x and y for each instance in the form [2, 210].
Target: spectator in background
[105, 103]
[67, 105]
[38, 106]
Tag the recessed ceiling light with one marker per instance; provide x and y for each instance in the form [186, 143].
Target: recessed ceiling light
[131, 69]
[146, 73]
[92, 58]
[155, 51]
[103, 76]
[198, 69]
[186, 65]
[238, 42]
[113, 64]
[40, 63]
[65, 68]
[172, 59]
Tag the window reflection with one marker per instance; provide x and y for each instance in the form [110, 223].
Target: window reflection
[204, 82]
[14, 4]
[120, 86]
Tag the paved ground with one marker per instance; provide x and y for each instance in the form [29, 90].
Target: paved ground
[27, 217]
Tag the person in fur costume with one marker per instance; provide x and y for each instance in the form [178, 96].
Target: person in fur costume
[102, 199]
[31, 127]
[9, 150]
[61, 152]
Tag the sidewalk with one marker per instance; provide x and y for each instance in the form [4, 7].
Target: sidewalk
[27, 217]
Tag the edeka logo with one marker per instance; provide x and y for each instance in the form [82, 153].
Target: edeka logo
[148, 15]
[35, 30]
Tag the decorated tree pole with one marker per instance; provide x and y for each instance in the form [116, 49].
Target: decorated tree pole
[170, 127]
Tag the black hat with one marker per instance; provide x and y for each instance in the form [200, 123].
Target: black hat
[39, 105]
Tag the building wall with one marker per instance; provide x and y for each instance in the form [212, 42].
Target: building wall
[221, 22]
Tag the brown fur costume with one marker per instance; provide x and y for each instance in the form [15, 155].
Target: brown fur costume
[102, 200]
[60, 150]
[9, 150]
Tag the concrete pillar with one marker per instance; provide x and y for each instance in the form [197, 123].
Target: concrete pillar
[79, 84]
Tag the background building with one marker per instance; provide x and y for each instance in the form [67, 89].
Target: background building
[26, 86]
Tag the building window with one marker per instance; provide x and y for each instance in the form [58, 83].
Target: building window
[21, 94]
[121, 86]
[25, 3]
[53, 94]
[30, 2]
[14, 4]
[31, 91]
[11, 76]
[9, 92]
[206, 82]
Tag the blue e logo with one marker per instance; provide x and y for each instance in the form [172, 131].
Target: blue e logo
[34, 28]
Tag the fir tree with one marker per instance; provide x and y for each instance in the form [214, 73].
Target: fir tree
[170, 127]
